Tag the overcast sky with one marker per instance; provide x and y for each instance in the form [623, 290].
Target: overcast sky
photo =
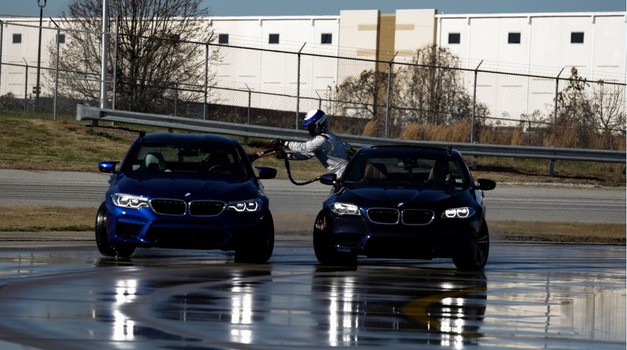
[53, 8]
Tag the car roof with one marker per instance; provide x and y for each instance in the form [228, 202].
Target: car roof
[408, 149]
[188, 138]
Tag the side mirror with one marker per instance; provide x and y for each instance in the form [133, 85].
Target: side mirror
[107, 166]
[266, 172]
[485, 184]
[328, 179]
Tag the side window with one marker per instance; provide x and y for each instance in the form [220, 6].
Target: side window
[17, 38]
[61, 38]
[273, 39]
[454, 38]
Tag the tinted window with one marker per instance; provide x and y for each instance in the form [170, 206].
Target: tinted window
[454, 38]
[273, 39]
[185, 158]
[407, 170]
[576, 38]
[326, 38]
[223, 39]
[513, 38]
[17, 38]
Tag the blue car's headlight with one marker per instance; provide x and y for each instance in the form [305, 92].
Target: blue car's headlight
[344, 208]
[249, 205]
[129, 201]
[458, 213]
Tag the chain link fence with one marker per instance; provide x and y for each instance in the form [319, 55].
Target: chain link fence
[259, 86]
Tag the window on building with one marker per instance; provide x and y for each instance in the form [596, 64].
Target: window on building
[326, 38]
[61, 38]
[273, 39]
[17, 38]
[576, 38]
[223, 39]
[454, 38]
[513, 38]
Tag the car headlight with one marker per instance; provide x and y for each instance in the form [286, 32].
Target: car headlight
[344, 208]
[458, 213]
[249, 205]
[129, 201]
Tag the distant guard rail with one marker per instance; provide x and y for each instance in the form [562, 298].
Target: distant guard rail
[255, 131]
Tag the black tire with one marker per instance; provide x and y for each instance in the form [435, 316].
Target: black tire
[475, 256]
[325, 250]
[257, 250]
[102, 240]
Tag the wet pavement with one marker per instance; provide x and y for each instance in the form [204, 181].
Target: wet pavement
[62, 294]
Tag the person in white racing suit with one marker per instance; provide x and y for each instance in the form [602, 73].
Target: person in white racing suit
[331, 151]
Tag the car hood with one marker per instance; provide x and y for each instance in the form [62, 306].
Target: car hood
[395, 196]
[192, 188]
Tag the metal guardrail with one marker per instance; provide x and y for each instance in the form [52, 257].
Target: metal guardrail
[245, 130]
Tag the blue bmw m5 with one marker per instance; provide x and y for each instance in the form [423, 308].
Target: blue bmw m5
[404, 202]
[186, 191]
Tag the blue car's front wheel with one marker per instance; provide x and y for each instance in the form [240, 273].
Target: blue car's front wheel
[102, 239]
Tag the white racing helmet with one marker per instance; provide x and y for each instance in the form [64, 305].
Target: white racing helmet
[316, 121]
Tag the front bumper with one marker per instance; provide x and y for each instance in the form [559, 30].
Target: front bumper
[144, 228]
[442, 238]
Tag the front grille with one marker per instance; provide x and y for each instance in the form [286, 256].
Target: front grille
[206, 208]
[168, 206]
[384, 216]
[417, 216]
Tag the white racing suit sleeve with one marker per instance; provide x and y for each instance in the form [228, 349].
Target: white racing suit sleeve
[327, 148]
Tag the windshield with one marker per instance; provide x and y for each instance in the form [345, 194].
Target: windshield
[416, 170]
[184, 158]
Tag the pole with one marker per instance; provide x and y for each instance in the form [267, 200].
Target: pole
[56, 72]
[474, 105]
[298, 87]
[204, 106]
[115, 62]
[41, 17]
[387, 98]
[557, 86]
[104, 54]
[1, 45]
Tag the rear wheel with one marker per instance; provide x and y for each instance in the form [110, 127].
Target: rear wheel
[475, 256]
[259, 249]
[102, 239]
[325, 249]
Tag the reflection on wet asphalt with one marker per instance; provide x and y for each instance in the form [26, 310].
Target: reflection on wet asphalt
[529, 296]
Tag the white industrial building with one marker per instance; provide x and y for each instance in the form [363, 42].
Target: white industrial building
[538, 44]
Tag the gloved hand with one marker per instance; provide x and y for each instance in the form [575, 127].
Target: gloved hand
[280, 154]
[278, 142]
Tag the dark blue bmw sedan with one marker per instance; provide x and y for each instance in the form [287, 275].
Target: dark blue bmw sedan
[404, 202]
[186, 191]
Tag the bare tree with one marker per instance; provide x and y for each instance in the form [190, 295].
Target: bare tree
[433, 88]
[429, 89]
[159, 46]
[608, 106]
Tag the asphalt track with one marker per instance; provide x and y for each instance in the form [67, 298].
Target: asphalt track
[57, 292]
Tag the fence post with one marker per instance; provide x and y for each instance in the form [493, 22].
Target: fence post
[204, 106]
[104, 54]
[474, 105]
[1, 46]
[557, 86]
[250, 95]
[26, 87]
[298, 87]
[56, 75]
[386, 132]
